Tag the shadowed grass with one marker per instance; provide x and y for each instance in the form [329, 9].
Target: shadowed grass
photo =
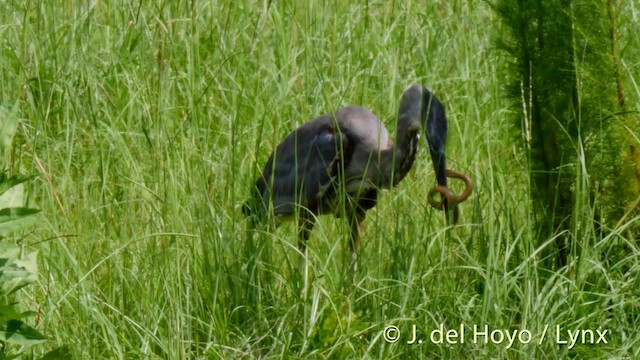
[148, 123]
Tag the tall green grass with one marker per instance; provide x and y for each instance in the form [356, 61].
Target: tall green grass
[147, 123]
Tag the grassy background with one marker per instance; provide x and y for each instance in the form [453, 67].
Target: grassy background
[147, 123]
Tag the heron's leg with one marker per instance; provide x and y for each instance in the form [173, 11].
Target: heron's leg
[356, 220]
[306, 225]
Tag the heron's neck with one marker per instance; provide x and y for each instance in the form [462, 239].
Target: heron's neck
[397, 161]
[406, 150]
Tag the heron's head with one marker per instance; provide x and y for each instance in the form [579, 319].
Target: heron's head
[410, 110]
[434, 122]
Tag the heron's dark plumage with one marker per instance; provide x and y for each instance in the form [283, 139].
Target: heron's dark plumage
[436, 133]
[299, 178]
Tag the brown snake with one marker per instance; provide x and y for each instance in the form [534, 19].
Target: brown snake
[452, 199]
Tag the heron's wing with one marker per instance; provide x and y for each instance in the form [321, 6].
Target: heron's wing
[304, 166]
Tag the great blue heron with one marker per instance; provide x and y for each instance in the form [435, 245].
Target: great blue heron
[338, 163]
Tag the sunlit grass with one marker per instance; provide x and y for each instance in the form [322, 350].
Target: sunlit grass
[147, 125]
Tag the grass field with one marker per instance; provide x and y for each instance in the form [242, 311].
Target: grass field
[146, 124]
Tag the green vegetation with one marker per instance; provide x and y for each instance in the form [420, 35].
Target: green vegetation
[146, 124]
[16, 270]
[15, 273]
[565, 82]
